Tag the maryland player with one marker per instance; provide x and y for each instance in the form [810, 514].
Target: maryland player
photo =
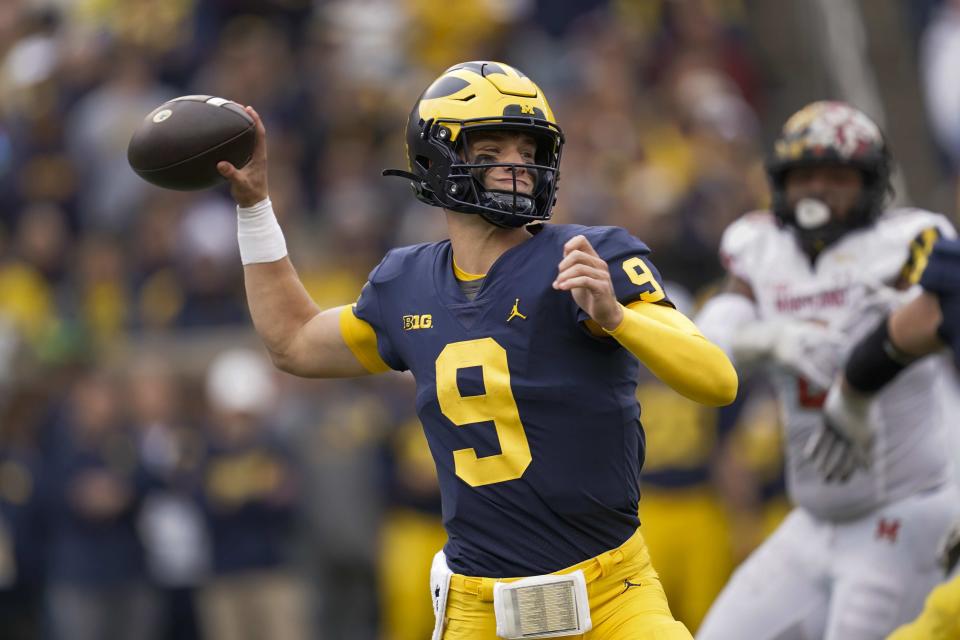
[922, 327]
[524, 340]
[852, 560]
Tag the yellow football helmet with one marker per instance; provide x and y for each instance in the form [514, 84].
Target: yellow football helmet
[469, 97]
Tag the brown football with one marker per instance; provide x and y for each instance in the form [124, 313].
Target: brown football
[178, 144]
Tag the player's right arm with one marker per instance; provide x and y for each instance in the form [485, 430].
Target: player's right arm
[725, 313]
[732, 319]
[300, 337]
[843, 443]
[914, 327]
[921, 327]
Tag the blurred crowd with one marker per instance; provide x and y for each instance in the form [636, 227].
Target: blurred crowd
[157, 479]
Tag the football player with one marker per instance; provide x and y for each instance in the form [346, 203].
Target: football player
[852, 561]
[525, 340]
[923, 326]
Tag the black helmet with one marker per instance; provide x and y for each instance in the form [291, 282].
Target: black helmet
[830, 133]
[474, 96]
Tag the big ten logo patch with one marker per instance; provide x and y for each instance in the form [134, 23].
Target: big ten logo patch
[424, 321]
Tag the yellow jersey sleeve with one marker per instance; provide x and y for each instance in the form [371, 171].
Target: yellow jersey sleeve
[940, 619]
[673, 349]
[362, 340]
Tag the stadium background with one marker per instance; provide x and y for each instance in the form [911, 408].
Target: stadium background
[155, 474]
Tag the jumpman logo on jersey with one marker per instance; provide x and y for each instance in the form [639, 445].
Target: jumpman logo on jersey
[515, 312]
[627, 584]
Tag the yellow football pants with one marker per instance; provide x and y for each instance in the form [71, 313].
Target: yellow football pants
[940, 619]
[688, 535]
[408, 541]
[620, 611]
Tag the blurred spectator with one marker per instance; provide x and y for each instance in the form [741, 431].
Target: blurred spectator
[156, 286]
[411, 533]
[171, 523]
[103, 297]
[32, 272]
[154, 27]
[208, 266]
[99, 127]
[96, 583]
[710, 32]
[252, 65]
[364, 35]
[22, 543]
[337, 428]
[939, 57]
[250, 497]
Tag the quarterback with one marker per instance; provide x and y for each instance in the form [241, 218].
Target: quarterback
[525, 340]
[853, 560]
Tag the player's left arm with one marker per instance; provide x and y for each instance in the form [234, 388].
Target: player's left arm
[663, 339]
[908, 333]
[921, 327]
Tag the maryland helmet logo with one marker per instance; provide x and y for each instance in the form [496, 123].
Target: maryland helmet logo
[829, 129]
[828, 133]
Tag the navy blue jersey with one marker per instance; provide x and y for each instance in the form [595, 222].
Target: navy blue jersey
[532, 422]
[942, 277]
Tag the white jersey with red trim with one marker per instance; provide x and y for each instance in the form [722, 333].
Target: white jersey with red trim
[911, 450]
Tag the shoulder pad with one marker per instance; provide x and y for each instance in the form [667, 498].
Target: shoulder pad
[908, 222]
[607, 240]
[742, 234]
[398, 261]
[612, 241]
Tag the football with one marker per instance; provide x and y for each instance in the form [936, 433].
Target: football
[178, 144]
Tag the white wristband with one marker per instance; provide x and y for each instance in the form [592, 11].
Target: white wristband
[259, 234]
